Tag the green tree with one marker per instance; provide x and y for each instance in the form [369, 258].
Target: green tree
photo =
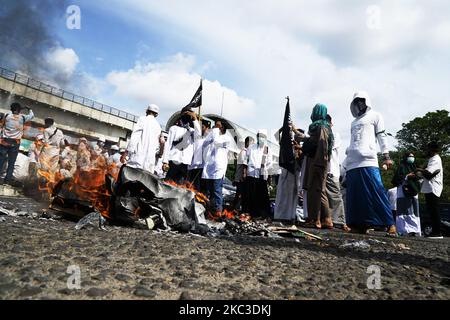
[416, 134]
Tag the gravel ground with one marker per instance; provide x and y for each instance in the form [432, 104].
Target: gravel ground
[125, 263]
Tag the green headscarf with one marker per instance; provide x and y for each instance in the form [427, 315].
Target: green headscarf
[319, 119]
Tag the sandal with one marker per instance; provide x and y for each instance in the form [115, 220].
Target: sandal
[392, 231]
[346, 228]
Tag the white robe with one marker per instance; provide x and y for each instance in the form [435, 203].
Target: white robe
[144, 143]
[216, 162]
[287, 196]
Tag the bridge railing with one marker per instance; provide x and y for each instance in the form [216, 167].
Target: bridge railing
[38, 85]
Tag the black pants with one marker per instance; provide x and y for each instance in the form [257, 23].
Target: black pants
[432, 205]
[258, 197]
[177, 172]
[195, 177]
[9, 151]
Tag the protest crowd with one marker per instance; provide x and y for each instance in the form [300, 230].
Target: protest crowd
[348, 195]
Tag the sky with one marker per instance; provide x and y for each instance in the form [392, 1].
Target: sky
[251, 55]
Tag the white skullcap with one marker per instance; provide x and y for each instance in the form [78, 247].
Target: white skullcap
[115, 147]
[153, 108]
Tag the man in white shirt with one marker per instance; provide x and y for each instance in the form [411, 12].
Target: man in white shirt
[367, 200]
[11, 135]
[114, 158]
[333, 188]
[144, 141]
[216, 163]
[54, 142]
[259, 161]
[53, 136]
[432, 187]
[195, 169]
[179, 150]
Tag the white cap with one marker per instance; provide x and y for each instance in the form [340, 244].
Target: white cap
[40, 136]
[115, 147]
[122, 150]
[83, 139]
[153, 107]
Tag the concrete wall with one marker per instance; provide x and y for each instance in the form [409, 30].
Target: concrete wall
[69, 116]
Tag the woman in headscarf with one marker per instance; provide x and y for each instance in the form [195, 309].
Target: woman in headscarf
[318, 150]
[408, 188]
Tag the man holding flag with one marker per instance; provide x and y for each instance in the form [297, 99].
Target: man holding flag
[287, 189]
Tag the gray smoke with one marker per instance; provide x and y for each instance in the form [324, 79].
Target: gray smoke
[26, 35]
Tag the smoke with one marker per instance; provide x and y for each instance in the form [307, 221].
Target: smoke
[27, 37]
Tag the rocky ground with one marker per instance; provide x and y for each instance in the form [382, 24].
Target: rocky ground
[125, 263]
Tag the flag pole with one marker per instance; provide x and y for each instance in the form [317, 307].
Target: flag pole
[221, 110]
[200, 107]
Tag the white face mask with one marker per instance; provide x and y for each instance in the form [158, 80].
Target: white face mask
[410, 160]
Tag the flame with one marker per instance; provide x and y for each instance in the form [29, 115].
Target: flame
[88, 183]
[200, 197]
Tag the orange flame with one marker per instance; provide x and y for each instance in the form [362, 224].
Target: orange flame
[88, 185]
[200, 197]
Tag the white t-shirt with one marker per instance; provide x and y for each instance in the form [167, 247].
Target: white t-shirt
[367, 131]
[434, 185]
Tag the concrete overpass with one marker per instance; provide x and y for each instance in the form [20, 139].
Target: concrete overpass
[75, 115]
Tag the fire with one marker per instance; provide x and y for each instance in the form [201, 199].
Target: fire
[200, 197]
[88, 183]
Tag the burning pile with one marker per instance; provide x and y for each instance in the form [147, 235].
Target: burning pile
[130, 196]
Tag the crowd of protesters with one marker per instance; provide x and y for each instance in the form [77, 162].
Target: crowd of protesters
[349, 195]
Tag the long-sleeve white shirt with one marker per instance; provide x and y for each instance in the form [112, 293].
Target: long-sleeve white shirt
[366, 131]
[179, 147]
[216, 160]
[259, 161]
[143, 143]
[198, 148]
[14, 123]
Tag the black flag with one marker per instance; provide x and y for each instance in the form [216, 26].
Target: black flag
[287, 158]
[197, 99]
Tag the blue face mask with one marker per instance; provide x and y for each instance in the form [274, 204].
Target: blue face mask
[410, 160]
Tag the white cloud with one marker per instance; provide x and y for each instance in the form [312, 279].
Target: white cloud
[171, 84]
[62, 61]
[314, 51]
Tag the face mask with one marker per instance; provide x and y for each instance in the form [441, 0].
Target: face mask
[410, 160]
[361, 107]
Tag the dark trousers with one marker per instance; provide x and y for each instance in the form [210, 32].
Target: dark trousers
[432, 205]
[258, 197]
[195, 177]
[214, 187]
[177, 173]
[241, 198]
[9, 152]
